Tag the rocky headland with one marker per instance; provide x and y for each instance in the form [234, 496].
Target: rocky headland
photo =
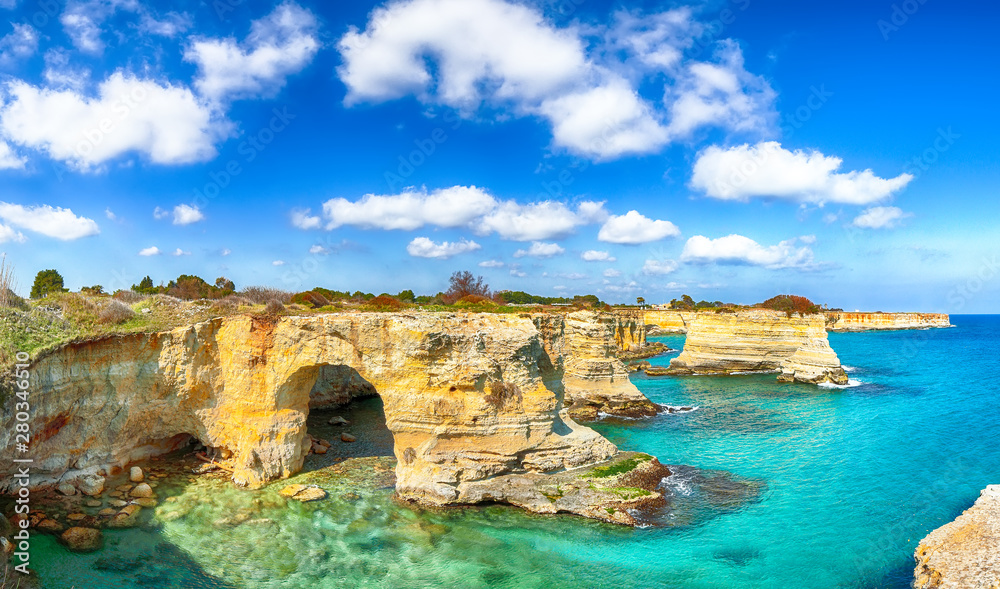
[843, 321]
[662, 322]
[477, 404]
[795, 346]
[963, 554]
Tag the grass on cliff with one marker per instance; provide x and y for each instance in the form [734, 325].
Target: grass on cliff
[627, 465]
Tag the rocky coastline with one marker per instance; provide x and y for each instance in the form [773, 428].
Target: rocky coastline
[477, 404]
[963, 554]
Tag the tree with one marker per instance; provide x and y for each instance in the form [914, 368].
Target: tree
[463, 283]
[225, 285]
[47, 281]
[405, 295]
[641, 301]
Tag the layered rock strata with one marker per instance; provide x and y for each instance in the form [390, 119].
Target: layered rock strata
[842, 321]
[470, 399]
[595, 379]
[662, 322]
[759, 341]
[963, 554]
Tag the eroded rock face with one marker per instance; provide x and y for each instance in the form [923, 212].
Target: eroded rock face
[668, 321]
[964, 554]
[760, 341]
[843, 321]
[467, 397]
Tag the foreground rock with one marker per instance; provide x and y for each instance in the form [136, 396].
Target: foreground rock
[964, 554]
[616, 491]
[469, 398]
[303, 493]
[759, 341]
[82, 539]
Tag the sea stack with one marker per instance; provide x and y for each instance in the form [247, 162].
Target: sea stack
[758, 340]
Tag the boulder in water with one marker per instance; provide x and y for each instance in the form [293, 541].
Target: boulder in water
[82, 539]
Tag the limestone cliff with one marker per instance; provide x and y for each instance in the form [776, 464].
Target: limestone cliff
[469, 398]
[668, 321]
[963, 554]
[760, 341]
[595, 380]
[842, 321]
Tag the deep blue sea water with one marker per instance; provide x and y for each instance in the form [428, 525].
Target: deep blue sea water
[777, 486]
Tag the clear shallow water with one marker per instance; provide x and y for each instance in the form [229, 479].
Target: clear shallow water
[795, 486]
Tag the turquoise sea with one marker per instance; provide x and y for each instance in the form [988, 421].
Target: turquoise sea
[776, 486]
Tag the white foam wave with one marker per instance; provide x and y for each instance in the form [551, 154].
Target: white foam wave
[677, 408]
[851, 383]
[849, 368]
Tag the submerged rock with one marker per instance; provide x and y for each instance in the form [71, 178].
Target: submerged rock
[338, 420]
[346, 437]
[66, 489]
[963, 554]
[142, 490]
[135, 475]
[303, 493]
[90, 484]
[82, 539]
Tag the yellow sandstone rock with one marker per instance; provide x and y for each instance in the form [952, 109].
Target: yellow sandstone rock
[757, 340]
[963, 554]
[467, 397]
[843, 321]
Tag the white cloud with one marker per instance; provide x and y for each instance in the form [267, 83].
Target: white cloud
[82, 20]
[737, 249]
[457, 206]
[60, 75]
[491, 264]
[539, 220]
[880, 218]
[280, 44]
[421, 247]
[659, 267]
[50, 221]
[10, 234]
[19, 44]
[318, 249]
[159, 213]
[506, 57]
[605, 122]
[226, 252]
[634, 228]
[304, 219]
[187, 214]
[170, 25]
[612, 273]
[769, 171]
[540, 249]
[129, 114]
[515, 271]
[597, 256]
[721, 94]
[10, 160]
[807, 239]
[110, 214]
[180, 252]
[278, 263]
[150, 251]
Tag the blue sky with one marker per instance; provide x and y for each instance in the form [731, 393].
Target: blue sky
[729, 150]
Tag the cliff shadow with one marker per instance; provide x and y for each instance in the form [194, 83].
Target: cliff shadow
[344, 405]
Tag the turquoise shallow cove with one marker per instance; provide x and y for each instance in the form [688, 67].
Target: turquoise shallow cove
[788, 486]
